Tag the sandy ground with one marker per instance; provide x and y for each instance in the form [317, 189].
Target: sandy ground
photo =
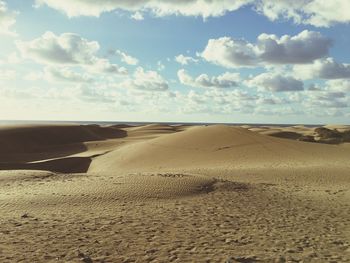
[161, 193]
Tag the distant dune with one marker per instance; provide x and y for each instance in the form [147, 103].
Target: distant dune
[330, 134]
[217, 145]
[177, 193]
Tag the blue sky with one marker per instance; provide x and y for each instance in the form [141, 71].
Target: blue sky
[221, 61]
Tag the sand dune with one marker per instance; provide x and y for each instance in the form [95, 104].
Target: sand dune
[341, 128]
[329, 134]
[162, 193]
[152, 130]
[222, 146]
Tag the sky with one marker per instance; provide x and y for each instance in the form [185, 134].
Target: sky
[223, 61]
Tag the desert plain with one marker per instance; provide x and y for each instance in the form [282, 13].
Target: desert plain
[174, 193]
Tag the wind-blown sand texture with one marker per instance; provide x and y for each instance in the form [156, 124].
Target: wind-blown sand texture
[161, 193]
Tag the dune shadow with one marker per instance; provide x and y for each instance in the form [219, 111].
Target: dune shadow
[63, 165]
[50, 152]
[35, 143]
[287, 135]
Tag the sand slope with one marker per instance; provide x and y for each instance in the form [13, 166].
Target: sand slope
[162, 193]
[217, 145]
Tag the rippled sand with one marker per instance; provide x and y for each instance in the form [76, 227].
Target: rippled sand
[161, 193]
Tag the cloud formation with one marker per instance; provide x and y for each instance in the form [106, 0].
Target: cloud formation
[321, 13]
[185, 60]
[327, 99]
[137, 16]
[342, 85]
[303, 48]
[67, 49]
[103, 65]
[7, 74]
[226, 80]
[127, 58]
[202, 8]
[93, 94]
[275, 83]
[7, 19]
[325, 69]
[65, 75]
[58, 75]
[146, 81]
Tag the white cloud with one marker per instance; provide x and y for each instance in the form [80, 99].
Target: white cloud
[327, 99]
[321, 13]
[7, 74]
[275, 82]
[314, 87]
[271, 100]
[299, 49]
[303, 48]
[218, 101]
[59, 74]
[342, 85]
[230, 53]
[281, 111]
[282, 9]
[226, 80]
[93, 94]
[137, 16]
[146, 81]
[185, 60]
[221, 96]
[67, 49]
[104, 66]
[127, 58]
[313, 12]
[324, 68]
[7, 19]
[196, 98]
[13, 58]
[33, 76]
[202, 8]
[65, 74]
